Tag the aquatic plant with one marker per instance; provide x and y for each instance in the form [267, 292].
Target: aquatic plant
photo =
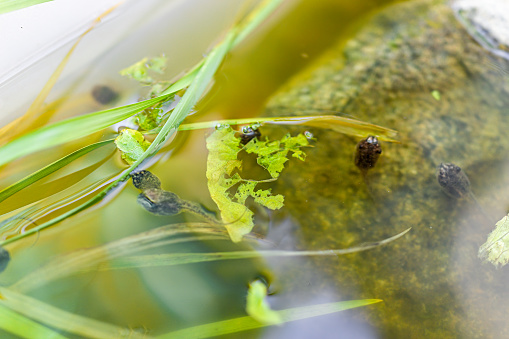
[223, 160]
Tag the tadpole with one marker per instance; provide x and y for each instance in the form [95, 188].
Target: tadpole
[367, 153]
[104, 94]
[248, 134]
[5, 257]
[454, 182]
[160, 202]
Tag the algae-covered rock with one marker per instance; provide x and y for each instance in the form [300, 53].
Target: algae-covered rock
[389, 74]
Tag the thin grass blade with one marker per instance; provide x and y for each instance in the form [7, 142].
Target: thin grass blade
[63, 320]
[171, 259]
[7, 6]
[339, 124]
[248, 323]
[45, 171]
[89, 258]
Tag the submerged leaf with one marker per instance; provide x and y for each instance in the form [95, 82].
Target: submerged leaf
[222, 160]
[257, 306]
[272, 155]
[496, 248]
[139, 70]
[132, 144]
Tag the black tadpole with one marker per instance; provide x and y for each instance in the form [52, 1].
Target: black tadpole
[104, 94]
[454, 182]
[367, 153]
[160, 202]
[4, 259]
[248, 134]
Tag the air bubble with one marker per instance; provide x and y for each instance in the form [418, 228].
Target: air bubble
[255, 126]
[308, 135]
[222, 126]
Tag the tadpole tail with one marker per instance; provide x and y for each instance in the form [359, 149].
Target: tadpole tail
[200, 211]
[368, 186]
[481, 210]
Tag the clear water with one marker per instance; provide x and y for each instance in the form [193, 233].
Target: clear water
[432, 283]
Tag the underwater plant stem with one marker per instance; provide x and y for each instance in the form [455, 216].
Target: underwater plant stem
[200, 211]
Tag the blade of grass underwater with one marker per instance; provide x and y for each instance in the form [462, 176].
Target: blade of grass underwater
[63, 320]
[188, 258]
[23, 327]
[248, 323]
[339, 124]
[7, 6]
[30, 118]
[199, 77]
[81, 260]
[40, 191]
[45, 171]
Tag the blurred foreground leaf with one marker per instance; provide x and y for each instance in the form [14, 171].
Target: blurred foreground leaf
[23, 327]
[63, 320]
[13, 5]
[258, 307]
[248, 323]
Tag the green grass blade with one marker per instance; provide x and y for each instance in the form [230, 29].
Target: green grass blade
[13, 5]
[68, 130]
[23, 327]
[339, 124]
[189, 258]
[63, 320]
[43, 172]
[264, 9]
[248, 323]
[90, 258]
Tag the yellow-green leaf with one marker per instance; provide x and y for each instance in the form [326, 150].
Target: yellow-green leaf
[257, 305]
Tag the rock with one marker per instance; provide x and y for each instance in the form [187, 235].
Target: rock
[432, 282]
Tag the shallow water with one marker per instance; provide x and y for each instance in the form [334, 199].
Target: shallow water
[432, 283]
